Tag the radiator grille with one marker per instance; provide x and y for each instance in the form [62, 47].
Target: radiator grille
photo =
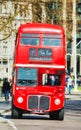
[33, 102]
[38, 102]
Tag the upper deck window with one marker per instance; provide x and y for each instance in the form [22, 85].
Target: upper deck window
[30, 39]
[52, 40]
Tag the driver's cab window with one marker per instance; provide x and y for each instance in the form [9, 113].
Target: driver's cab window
[51, 80]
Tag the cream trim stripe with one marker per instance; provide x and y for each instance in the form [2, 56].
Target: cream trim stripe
[41, 66]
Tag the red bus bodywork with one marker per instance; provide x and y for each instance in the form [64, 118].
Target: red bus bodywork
[39, 71]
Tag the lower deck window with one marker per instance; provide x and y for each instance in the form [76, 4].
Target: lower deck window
[27, 77]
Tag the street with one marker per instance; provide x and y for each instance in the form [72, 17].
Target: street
[72, 120]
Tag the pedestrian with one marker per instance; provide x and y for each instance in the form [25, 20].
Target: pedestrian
[69, 84]
[10, 87]
[66, 84]
[6, 89]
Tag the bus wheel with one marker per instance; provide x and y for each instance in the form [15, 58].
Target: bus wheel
[61, 114]
[54, 115]
[16, 113]
[57, 115]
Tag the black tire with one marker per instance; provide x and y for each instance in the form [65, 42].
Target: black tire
[57, 115]
[61, 114]
[54, 115]
[16, 113]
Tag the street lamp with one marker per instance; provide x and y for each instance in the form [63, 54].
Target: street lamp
[75, 88]
[74, 42]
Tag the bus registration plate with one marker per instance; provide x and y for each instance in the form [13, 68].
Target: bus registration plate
[38, 111]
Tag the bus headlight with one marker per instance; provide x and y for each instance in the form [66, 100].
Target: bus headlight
[57, 101]
[20, 99]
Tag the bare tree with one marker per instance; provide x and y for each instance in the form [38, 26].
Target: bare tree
[49, 11]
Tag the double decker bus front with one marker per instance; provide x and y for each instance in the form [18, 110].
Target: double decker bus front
[39, 77]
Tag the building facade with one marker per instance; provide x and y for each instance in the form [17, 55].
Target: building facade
[70, 45]
[13, 13]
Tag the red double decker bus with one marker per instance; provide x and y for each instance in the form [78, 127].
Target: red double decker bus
[39, 71]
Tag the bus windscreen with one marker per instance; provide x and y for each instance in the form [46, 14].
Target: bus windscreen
[27, 76]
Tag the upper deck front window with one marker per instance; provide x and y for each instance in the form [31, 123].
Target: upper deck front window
[47, 39]
[52, 40]
[30, 39]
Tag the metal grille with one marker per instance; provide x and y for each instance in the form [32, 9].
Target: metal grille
[33, 102]
[38, 102]
[44, 103]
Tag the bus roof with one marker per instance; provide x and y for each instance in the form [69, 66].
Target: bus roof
[41, 28]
